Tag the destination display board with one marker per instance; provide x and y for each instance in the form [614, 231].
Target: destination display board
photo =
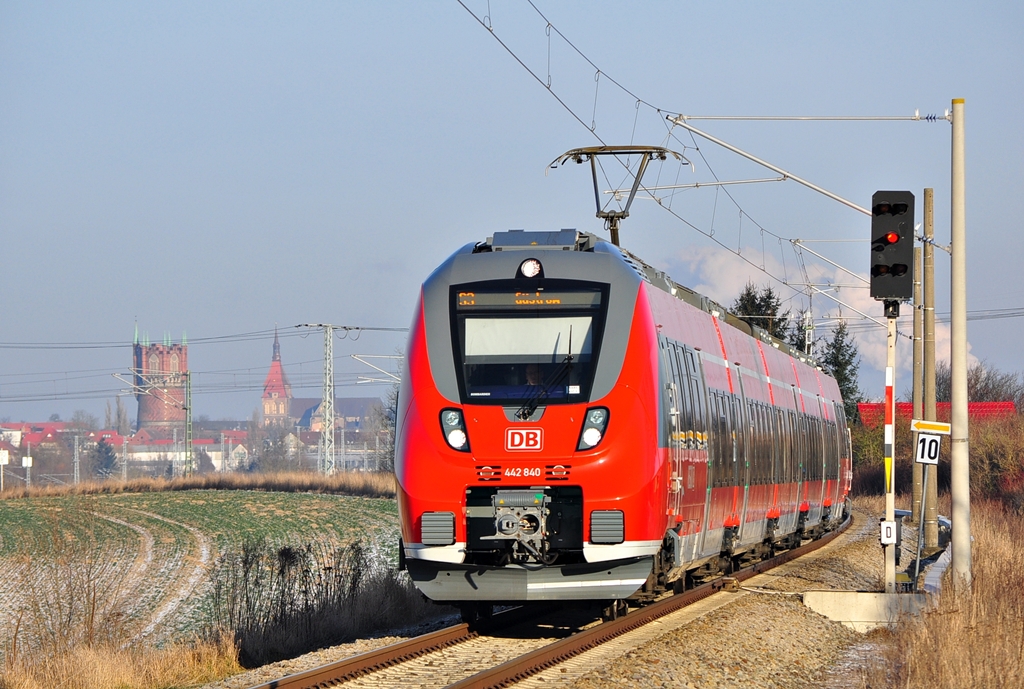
[528, 299]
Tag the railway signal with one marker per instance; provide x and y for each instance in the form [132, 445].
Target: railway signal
[892, 280]
[892, 245]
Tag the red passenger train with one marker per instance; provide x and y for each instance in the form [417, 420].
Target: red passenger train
[575, 425]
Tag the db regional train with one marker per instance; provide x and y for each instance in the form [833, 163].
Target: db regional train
[575, 425]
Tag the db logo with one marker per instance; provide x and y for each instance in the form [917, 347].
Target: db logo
[524, 439]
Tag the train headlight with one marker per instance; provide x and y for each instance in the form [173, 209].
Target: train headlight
[531, 268]
[594, 424]
[457, 439]
[453, 427]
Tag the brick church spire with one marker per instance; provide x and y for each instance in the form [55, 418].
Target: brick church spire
[277, 393]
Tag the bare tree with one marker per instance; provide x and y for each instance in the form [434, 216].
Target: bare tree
[122, 423]
[985, 383]
[382, 425]
[82, 420]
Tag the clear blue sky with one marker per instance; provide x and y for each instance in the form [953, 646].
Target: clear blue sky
[219, 168]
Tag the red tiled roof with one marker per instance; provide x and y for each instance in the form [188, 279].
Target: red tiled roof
[110, 435]
[276, 382]
[873, 413]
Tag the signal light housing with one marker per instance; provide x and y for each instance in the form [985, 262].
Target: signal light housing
[892, 245]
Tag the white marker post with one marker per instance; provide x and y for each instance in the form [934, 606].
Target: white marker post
[5, 459]
[928, 440]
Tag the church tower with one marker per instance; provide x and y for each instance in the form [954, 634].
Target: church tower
[277, 393]
[159, 371]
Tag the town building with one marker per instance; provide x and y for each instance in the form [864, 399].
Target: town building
[277, 393]
[159, 371]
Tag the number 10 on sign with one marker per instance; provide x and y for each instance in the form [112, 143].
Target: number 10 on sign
[927, 448]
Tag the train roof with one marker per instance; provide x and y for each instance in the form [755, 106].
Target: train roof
[574, 240]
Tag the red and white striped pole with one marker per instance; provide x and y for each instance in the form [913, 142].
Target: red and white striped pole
[890, 442]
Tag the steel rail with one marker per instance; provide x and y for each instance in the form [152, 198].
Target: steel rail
[535, 661]
[520, 668]
[378, 659]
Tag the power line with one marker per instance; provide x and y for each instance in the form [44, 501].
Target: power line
[676, 118]
[217, 339]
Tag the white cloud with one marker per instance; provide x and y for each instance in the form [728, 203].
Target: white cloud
[721, 275]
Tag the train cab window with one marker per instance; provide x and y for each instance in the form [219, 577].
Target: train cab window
[512, 345]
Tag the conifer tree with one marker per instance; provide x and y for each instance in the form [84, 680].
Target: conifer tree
[104, 460]
[840, 360]
[761, 308]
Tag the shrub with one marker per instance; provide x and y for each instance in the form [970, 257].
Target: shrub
[280, 602]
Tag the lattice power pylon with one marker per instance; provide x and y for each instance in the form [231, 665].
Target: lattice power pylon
[325, 449]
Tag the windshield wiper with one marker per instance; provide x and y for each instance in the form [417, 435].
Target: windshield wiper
[554, 379]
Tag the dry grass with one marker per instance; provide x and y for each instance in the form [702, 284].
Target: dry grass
[104, 667]
[976, 637]
[75, 631]
[365, 484]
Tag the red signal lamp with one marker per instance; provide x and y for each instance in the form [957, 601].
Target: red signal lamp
[892, 237]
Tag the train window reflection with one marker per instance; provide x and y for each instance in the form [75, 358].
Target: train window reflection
[513, 359]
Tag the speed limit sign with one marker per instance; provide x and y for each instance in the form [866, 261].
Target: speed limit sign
[927, 448]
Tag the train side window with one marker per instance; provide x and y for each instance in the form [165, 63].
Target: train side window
[715, 439]
[674, 372]
[719, 429]
[794, 447]
[738, 434]
[767, 433]
[766, 444]
[756, 448]
[819, 449]
[801, 449]
[686, 413]
[777, 439]
[696, 382]
[813, 448]
[686, 400]
[833, 454]
[752, 446]
[723, 443]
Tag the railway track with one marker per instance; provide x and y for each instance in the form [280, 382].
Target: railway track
[512, 646]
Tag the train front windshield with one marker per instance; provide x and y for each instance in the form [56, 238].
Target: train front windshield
[514, 345]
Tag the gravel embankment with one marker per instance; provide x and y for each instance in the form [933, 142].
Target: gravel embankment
[763, 639]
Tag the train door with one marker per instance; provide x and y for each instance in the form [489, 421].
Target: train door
[820, 459]
[677, 435]
[696, 499]
[800, 466]
[711, 442]
[741, 455]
